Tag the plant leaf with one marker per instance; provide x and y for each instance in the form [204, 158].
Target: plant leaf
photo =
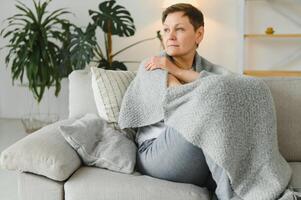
[35, 46]
[113, 19]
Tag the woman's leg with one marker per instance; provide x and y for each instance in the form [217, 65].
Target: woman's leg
[223, 190]
[171, 157]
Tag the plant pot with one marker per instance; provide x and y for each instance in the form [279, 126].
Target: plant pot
[35, 121]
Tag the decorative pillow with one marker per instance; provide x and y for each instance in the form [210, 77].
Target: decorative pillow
[109, 87]
[44, 152]
[101, 145]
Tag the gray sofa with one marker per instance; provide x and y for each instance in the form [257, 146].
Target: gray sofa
[73, 181]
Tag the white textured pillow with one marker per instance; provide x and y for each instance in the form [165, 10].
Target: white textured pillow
[101, 145]
[44, 152]
[109, 87]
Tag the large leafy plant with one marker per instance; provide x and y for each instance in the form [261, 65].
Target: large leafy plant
[113, 19]
[38, 47]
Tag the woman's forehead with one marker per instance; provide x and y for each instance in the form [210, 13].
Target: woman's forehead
[176, 18]
[174, 24]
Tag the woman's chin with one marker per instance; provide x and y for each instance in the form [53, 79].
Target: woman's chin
[173, 53]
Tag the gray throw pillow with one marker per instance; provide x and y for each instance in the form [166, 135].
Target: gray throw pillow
[99, 144]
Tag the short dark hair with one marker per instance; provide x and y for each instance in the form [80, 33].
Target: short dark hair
[195, 16]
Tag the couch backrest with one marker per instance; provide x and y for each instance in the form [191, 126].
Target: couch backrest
[286, 93]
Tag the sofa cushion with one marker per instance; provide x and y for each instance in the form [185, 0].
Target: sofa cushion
[100, 145]
[296, 177]
[81, 99]
[35, 187]
[44, 152]
[109, 87]
[88, 183]
[286, 92]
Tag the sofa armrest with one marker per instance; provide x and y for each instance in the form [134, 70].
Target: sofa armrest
[44, 152]
[81, 98]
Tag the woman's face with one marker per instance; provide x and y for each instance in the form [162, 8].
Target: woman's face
[179, 36]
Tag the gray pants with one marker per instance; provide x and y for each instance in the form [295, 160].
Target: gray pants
[172, 157]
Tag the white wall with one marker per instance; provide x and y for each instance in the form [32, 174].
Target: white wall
[220, 45]
[273, 54]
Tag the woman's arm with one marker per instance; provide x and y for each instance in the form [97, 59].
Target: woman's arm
[172, 81]
[183, 75]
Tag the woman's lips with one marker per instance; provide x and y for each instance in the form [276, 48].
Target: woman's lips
[173, 45]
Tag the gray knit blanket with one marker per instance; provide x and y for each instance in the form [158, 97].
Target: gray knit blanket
[231, 117]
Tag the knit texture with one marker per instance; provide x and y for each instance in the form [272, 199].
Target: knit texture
[231, 117]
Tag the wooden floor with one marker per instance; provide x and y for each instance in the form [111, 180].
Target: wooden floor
[11, 130]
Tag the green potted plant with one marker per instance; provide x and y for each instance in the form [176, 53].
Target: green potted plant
[38, 45]
[113, 19]
[46, 47]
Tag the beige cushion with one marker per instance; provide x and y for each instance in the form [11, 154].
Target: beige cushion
[109, 87]
[88, 183]
[296, 176]
[35, 187]
[286, 93]
[44, 152]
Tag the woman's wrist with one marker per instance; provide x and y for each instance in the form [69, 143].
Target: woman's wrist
[173, 68]
[177, 72]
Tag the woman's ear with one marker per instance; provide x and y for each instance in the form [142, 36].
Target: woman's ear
[200, 34]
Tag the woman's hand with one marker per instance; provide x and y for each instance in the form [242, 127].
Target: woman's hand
[158, 62]
[181, 75]
[172, 81]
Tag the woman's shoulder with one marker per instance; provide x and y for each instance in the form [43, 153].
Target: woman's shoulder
[213, 68]
[142, 63]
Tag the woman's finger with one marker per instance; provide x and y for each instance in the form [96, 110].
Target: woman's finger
[149, 66]
[152, 66]
[146, 64]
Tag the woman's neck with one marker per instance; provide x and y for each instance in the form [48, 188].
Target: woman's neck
[185, 62]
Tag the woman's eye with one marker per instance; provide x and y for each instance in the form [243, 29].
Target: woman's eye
[166, 30]
[179, 29]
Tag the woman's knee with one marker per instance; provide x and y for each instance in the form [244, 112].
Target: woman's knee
[179, 144]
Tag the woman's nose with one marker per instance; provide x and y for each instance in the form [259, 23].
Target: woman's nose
[171, 35]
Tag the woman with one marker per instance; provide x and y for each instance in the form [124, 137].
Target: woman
[163, 152]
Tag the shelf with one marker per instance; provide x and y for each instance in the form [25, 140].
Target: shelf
[270, 73]
[255, 18]
[272, 35]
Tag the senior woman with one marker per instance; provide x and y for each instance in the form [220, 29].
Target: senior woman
[162, 151]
